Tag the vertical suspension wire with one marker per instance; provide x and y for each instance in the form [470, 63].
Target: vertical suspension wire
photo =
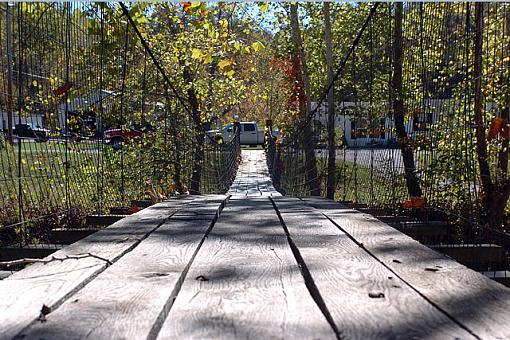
[100, 141]
[141, 163]
[121, 118]
[67, 9]
[468, 123]
[356, 118]
[391, 93]
[20, 107]
[371, 112]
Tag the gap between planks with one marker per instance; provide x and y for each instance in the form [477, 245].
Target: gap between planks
[27, 291]
[132, 298]
[478, 303]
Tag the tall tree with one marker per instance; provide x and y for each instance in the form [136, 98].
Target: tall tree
[303, 78]
[495, 193]
[406, 145]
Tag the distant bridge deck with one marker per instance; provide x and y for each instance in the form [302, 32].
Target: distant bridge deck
[251, 264]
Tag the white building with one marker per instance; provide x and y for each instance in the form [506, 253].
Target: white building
[77, 106]
[360, 130]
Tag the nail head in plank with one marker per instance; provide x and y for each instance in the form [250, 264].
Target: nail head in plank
[475, 301]
[364, 298]
[126, 299]
[25, 292]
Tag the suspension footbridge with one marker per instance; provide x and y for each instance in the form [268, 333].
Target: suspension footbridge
[132, 207]
[251, 264]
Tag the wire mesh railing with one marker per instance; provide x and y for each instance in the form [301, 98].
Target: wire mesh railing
[91, 122]
[420, 121]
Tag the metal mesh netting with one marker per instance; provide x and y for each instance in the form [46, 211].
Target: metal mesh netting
[89, 122]
[438, 97]
[419, 95]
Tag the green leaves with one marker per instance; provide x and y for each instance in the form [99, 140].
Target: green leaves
[257, 46]
[263, 6]
[196, 53]
[226, 66]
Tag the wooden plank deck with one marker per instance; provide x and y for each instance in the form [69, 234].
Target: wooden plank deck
[252, 264]
[129, 297]
[481, 305]
[26, 292]
[245, 283]
[253, 178]
[364, 298]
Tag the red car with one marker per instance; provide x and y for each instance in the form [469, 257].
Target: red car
[116, 137]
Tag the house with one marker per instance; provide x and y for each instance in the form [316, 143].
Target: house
[365, 126]
[83, 111]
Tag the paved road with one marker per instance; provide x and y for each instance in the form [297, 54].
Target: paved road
[381, 159]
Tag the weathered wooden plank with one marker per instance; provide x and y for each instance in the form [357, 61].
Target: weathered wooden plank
[29, 251]
[68, 236]
[245, 283]
[364, 298]
[5, 274]
[252, 178]
[126, 301]
[480, 304]
[25, 292]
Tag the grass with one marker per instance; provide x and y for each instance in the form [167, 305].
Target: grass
[56, 177]
[359, 183]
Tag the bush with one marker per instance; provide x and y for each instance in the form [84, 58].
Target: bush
[2, 141]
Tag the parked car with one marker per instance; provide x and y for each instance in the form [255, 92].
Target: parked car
[29, 130]
[249, 134]
[116, 137]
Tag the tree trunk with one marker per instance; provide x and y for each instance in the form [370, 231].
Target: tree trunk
[330, 191]
[406, 145]
[304, 105]
[494, 195]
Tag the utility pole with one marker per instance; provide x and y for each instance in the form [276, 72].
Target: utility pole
[9, 73]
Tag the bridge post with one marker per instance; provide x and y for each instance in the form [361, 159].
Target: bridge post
[237, 130]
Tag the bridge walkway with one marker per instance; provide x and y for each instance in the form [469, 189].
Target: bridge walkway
[251, 264]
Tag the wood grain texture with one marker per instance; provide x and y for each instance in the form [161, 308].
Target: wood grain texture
[477, 302]
[126, 300]
[25, 292]
[245, 283]
[364, 298]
